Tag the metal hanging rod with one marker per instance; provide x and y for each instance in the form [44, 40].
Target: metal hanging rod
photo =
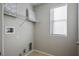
[21, 17]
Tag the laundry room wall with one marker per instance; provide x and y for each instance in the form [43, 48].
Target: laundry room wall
[0, 29]
[18, 41]
[56, 45]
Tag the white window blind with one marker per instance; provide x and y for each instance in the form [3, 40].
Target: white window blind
[58, 20]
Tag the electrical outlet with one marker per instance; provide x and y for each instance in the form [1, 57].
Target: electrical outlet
[24, 51]
[30, 46]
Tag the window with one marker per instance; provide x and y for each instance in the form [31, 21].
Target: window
[58, 20]
[10, 9]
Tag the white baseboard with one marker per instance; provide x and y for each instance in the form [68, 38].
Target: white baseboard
[29, 53]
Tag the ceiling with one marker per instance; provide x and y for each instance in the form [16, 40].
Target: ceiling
[35, 4]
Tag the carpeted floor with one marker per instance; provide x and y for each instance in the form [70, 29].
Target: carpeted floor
[35, 53]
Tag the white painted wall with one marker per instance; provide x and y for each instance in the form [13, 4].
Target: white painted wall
[0, 27]
[78, 31]
[73, 26]
[56, 45]
[15, 43]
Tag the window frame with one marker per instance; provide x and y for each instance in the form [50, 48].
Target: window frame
[57, 20]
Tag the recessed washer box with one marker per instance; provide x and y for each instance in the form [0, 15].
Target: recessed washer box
[9, 30]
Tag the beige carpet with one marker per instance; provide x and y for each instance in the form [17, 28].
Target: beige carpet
[35, 53]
